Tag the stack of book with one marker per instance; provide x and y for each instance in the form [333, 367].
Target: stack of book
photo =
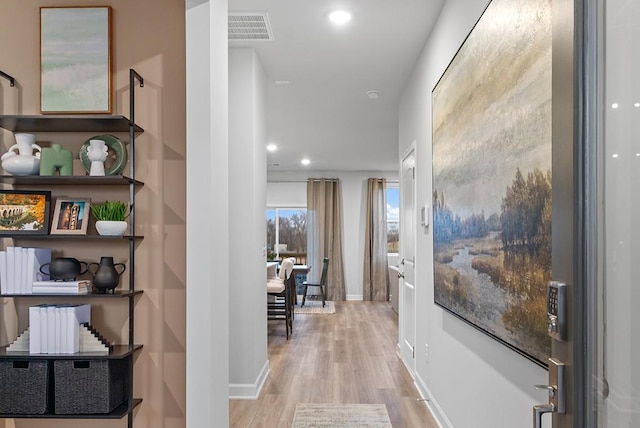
[61, 287]
[20, 267]
[55, 328]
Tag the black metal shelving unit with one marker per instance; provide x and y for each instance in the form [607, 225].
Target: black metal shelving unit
[84, 123]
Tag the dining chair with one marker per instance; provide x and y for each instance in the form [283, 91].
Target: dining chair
[322, 284]
[279, 290]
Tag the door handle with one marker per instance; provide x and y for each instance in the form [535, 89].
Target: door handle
[540, 410]
[400, 275]
[555, 391]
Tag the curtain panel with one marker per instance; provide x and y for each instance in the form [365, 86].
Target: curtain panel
[324, 233]
[376, 271]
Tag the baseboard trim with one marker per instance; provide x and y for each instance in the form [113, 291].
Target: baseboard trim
[432, 403]
[240, 391]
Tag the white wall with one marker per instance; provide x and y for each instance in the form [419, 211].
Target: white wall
[472, 380]
[207, 224]
[354, 199]
[248, 365]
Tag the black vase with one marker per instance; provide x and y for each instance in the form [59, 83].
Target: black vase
[64, 269]
[106, 276]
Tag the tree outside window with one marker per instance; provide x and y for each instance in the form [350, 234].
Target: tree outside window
[393, 218]
[286, 231]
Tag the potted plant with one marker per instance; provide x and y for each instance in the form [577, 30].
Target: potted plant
[111, 217]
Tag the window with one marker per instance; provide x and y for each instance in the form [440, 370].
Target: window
[393, 218]
[286, 232]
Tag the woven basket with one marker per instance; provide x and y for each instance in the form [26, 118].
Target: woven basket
[89, 386]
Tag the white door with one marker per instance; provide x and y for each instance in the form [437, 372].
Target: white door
[407, 335]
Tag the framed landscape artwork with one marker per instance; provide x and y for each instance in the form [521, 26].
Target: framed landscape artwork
[75, 59]
[24, 212]
[491, 122]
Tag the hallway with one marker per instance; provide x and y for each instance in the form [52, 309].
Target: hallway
[348, 357]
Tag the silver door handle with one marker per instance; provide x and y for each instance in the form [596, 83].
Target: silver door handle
[540, 410]
[556, 392]
[400, 275]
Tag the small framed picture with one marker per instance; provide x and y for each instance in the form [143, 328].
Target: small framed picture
[24, 212]
[71, 216]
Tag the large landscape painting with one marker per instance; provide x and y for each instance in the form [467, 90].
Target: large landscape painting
[492, 177]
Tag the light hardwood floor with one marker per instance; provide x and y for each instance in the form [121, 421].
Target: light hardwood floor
[347, 357]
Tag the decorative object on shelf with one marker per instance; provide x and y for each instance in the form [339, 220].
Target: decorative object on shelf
[111, 217]
[97, 154]
[24, 212]
[64, 268]
[106, 276]
[116, 159]
[71, 216]
[24, 162]
[71, 80]
[55, 158]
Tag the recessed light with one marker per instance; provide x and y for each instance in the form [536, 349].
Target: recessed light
[272, 147]
[305, 161]
[374, 95]
[340, 17]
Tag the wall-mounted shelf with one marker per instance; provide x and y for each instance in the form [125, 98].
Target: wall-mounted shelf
[118, 413]
[59, 123]
[117, 294]
[76, 180]
[125, 352]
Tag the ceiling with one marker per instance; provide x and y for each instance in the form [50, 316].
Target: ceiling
[324, 113]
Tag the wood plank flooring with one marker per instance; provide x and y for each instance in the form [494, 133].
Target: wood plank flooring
[347, 357]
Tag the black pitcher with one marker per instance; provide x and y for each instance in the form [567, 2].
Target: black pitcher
[106, 276]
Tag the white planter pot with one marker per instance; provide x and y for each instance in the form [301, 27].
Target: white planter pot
[111, 228]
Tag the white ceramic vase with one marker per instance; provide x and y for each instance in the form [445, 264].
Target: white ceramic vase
[111, 228]
[97, 152]
[24, 161]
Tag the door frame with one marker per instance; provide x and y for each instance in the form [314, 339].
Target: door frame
[574, 255]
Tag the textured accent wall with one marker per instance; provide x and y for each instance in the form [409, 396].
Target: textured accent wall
[149, 36]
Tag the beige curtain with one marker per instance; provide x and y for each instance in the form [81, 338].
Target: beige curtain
[324, 233]
[376, 271]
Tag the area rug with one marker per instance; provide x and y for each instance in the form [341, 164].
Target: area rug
[314, 307]
[341, 416]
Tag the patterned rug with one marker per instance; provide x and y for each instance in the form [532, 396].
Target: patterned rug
[341, 415]
[312, 306]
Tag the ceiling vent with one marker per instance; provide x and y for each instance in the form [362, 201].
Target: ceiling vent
[249, 26]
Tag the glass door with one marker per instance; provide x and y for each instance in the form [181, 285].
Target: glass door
[618, 351]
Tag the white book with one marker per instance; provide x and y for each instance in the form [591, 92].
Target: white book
[24, 263]
[17, 270]
[64, 330]
[3, 272]
[63, 284]
[58, 327]
[44, 329]
[11, 261]
[34, 330]
[60, 290]
[78, 314]
[51, 329]
[36, 257]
